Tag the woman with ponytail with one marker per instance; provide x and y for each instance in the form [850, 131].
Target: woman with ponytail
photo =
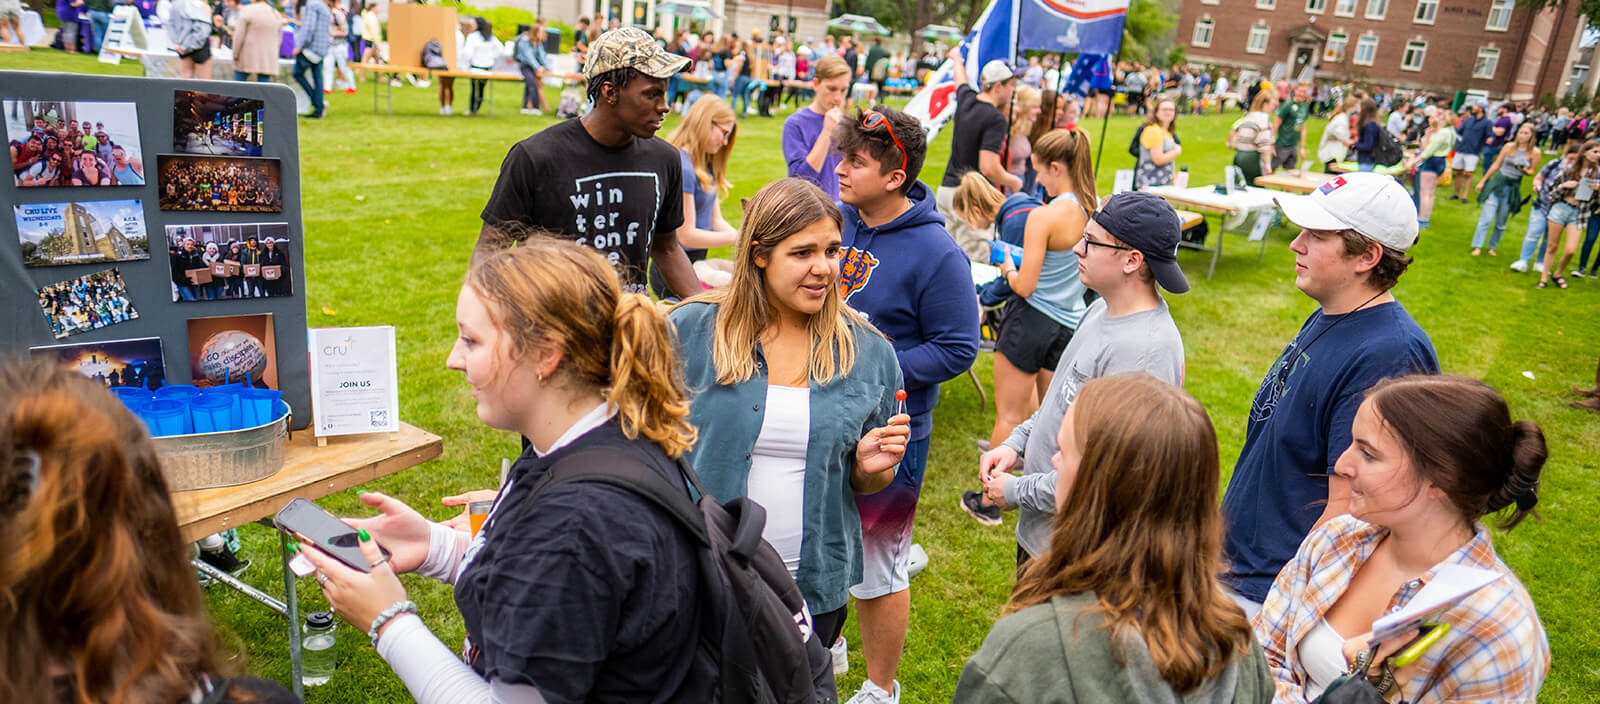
[1430, 457]
[96, 592]
[794, 393]
[582, 591]
[1048, 301]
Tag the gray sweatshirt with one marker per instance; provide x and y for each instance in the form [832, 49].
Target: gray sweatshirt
[1147, 341]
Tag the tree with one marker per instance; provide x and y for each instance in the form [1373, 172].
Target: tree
[1587, 9]
[1148, 22]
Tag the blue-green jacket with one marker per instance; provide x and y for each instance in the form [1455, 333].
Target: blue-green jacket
[729, 419]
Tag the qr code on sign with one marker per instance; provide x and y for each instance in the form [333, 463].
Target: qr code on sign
[379, 418]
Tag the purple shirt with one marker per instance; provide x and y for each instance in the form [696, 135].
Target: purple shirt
[1503, 123]
[799, 133]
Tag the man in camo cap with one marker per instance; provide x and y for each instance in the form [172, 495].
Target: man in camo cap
[603, 179]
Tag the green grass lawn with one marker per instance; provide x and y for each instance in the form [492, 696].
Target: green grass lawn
[391, 210]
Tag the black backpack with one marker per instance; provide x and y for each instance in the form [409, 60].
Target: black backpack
[756, 626]
[1133, 146]
[433, 56]
[1385, 150]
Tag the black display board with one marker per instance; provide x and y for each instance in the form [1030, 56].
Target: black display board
[149, 282]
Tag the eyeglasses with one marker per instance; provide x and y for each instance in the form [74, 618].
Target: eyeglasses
[1107, 245]
[872, 119]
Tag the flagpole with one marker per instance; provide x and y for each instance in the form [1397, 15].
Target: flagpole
[1106, 119]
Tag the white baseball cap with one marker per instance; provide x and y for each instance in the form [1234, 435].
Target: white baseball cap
[996, 71]
[1375, 206]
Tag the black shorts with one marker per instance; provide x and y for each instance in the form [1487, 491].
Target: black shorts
[199, 56]
[1029, 339]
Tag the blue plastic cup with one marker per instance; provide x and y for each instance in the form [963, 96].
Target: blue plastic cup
[131, 396]
[260, 406]
[180, 392]
[235, 408]
[212, 413]
[166, 416]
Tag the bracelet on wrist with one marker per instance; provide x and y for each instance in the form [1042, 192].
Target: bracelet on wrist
[400, 607]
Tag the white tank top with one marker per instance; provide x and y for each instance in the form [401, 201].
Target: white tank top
[1322, 655]
[778, 469]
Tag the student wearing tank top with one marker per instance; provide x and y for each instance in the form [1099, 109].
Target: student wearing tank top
[794, 393]
[1040, 319]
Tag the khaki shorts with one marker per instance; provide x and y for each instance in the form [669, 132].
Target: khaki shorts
[1464, 162]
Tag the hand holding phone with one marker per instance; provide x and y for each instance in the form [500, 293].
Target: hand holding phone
[331, 535]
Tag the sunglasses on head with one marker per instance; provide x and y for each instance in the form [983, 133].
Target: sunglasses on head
[872, 119]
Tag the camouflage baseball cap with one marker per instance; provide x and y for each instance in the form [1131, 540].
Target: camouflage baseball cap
[629, 47]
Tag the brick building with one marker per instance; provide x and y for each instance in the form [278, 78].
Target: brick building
[1497, 46]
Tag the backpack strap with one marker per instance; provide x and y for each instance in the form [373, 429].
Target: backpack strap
[610, 466]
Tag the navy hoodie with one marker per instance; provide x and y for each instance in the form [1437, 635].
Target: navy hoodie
[912, 281]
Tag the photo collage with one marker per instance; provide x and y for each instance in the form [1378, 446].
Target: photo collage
[216, 166]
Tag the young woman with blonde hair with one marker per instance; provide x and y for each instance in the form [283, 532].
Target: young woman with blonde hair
[794, 393]
[1048, 302]
[1025, 109]
[704, 140]
[581, 591]
[1125, 603]
[100, 605]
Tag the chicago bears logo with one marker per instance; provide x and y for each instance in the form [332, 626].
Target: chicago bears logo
[855, 270]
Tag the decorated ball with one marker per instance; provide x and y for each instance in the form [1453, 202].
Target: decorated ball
[233, 355]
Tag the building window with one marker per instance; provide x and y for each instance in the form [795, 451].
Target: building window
[1426, 11]
[1376, 9]
[1344, 8]
[1333, 52]
[1258, 39]
[1202, 33]
[1266, 4]
[1366, 50]
[1316, 6]
[1416, 49]
[1499, 16]
[1488, 61]
[1210, 2]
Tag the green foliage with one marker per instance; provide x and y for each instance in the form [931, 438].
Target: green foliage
[1148, 21]
[1578, 100]
[505, 18]
[391, 213]
[1548, 102]
[1178, 56]
[1587, 9]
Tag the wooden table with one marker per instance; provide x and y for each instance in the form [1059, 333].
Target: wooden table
[309, 472]
[1205, 200]
[381, 85]
[1294, 181]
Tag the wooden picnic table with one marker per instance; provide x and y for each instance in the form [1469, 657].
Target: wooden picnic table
[1294, 181]
[1206, 200]
[382, 86]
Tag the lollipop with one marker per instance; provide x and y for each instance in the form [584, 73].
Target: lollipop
[900, 396]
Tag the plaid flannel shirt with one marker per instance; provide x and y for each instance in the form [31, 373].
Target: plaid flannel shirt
[1496, 649]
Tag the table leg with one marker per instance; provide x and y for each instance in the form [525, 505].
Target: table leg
[1222, 224]
[292, 604]
[491, 96]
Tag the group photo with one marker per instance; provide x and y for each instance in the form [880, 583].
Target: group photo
[1125, 351]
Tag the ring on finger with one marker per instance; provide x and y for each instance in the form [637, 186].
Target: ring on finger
[322, 578]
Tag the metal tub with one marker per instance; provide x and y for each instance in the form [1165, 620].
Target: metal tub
[207, 460]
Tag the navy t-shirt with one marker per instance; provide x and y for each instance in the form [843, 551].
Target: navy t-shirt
[1299, 425]
[1474, 132]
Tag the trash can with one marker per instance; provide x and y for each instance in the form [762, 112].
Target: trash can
[552, 40]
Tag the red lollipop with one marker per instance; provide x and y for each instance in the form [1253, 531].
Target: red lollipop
[900, 396]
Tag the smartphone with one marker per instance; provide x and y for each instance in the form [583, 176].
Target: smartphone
[332, 535]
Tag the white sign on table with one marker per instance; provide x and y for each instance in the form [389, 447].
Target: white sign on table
[126, 31]
[354, 384]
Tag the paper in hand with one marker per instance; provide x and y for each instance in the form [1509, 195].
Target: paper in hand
[1449, 586]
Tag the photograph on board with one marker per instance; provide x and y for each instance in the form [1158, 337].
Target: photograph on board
[233, 348]
[87, 302]
[73, 143]
[81, 232]
[223, 125]
[225, 262]
[221, 184]
[133, 363]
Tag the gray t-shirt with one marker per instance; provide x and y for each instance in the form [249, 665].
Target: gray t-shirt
[1147, 341]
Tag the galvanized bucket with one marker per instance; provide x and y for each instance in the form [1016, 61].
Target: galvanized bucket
[206, 460]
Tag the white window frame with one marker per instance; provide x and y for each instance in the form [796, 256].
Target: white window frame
[1432, 13]
[1340, 8]
[1316, 7]
[1489, 56]
[1502, 8]
[1355, 56]
[1339, 39]
[1210, 2]
[1383, 9]
[1420, 47]
[1210, 28]
[1266, 37]
[1266, 4]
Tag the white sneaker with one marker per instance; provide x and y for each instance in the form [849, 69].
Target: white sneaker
[444, 110]
[395, 83]
[917, 560]
[750, 110]
[1539, 266]
[527, 111]
[871, 693]
[537, 111]
[841, 657]
[1519, 265]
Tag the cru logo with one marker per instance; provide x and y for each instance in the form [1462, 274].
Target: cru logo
[339, 350]
[1332, 185]
[855, 270]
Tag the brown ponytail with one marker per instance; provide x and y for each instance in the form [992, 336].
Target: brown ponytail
[552, 292]
[1070, 148]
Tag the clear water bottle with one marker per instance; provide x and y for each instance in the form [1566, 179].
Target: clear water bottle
[316, 649]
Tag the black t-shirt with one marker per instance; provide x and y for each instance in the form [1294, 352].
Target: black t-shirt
[980, 127]
[589, 591]
[611, 198]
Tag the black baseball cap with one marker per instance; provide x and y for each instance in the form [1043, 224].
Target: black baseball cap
[1145, 222]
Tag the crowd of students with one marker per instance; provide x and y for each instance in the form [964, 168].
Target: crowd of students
[848, 301]
[61, 153]
[85, 303]
[236, 186]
